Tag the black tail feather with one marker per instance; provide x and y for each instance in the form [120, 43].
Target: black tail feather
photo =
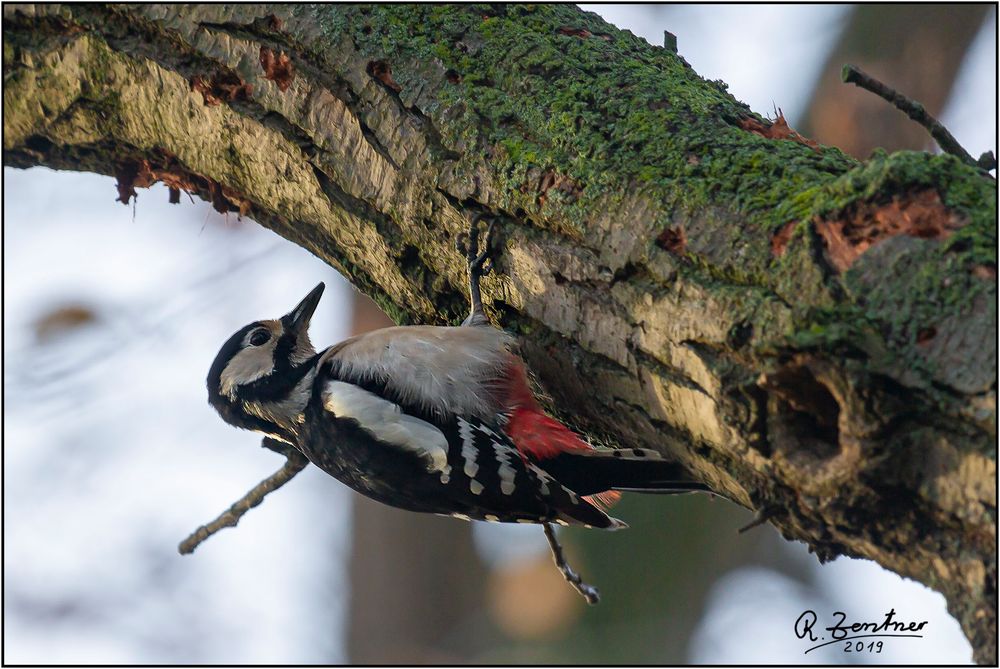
[665, 490]
[633, 470]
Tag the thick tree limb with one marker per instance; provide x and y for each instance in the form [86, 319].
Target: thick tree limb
[802, 331]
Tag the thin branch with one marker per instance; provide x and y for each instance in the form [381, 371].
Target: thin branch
[589, 592]
[760, 516]
[295, 463]
[853, 75]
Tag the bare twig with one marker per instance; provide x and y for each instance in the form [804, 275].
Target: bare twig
[760, 516]
[295, 463]
[589, 592]
[853, 75]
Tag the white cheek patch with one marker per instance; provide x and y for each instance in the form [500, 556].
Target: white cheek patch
[386, 422]
[246, 367]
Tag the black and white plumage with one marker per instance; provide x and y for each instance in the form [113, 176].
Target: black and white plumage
[429, 419]
[457, 466]
[414, 417]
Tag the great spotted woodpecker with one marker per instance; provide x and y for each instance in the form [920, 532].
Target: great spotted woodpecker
[432, 419]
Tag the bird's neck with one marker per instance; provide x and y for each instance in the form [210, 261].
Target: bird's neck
[277, 403]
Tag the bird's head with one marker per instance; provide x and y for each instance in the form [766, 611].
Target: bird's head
[261, 378]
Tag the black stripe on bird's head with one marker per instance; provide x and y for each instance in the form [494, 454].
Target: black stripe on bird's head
[262, 362]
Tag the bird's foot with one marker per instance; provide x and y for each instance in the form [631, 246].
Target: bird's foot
[468, 245]
[479, 264]
[589, 592]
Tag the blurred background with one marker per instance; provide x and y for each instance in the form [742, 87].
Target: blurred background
[112, 315]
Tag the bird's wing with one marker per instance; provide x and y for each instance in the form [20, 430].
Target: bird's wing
[436, 370]
[469, 462]
[487, 469]
[440, 372]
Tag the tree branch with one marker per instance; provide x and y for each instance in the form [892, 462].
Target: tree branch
[916, 111]
[295, 463]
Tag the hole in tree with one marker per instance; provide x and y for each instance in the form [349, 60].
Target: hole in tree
[38, 143]
[806, 412]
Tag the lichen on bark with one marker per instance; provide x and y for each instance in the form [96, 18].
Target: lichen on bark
[676, 280]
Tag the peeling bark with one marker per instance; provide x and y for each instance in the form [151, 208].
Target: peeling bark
[665, 261]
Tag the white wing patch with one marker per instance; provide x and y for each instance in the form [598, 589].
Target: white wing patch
[468, 448]
[386, 422]
[543, 478]
[507, 473]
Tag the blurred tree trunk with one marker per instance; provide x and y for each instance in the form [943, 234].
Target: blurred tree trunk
[915, 48]
[809, 335]
[417, 583]
[659, 576]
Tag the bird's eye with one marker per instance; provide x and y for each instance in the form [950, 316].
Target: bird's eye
[260, 337]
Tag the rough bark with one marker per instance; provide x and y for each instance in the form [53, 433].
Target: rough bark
[809, 334]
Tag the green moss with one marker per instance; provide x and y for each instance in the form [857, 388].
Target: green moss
[601, 111]
[612, 113]
[884, 306]
[960, 186]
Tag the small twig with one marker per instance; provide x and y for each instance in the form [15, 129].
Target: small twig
[589, 592]
[852, 75]
[669, 41]
[295, 463]
[760, 516]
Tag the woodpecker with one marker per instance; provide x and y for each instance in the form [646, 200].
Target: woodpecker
[430, 419]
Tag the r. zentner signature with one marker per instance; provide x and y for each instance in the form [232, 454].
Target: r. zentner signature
[849, 631]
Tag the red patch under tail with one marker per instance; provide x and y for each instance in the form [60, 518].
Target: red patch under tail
[536, 434]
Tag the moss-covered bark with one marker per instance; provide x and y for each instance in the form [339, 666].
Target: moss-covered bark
[679, 281]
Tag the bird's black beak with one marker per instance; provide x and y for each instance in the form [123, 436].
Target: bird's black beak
[298, 318]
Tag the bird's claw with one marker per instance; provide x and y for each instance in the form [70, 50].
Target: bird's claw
[478, 264]
[462, 244]
[467, 244]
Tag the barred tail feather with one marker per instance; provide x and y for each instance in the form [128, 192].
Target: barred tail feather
[604, 500]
